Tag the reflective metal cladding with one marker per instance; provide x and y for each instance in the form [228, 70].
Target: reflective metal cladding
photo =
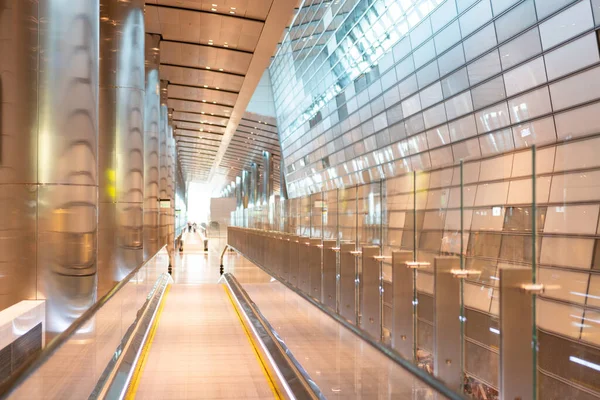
[48, 171]
[121, 140]
[151, 146]
[162, 160]
[18, 149]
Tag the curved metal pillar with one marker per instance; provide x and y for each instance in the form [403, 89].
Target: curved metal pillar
[171, 193]
[162, 161]
[121, 141]
[151, 147]
[267, 178]
[67, 191]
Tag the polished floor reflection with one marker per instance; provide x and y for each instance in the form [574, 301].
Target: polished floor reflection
[200, 350]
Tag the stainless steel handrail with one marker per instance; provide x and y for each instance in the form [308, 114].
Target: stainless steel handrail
[31, 365]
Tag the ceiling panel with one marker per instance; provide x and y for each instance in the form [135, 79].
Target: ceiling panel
[206, 57]
[192, 126]
[191, 117]
[254, 9]
[212, 54]
[199, 78]
[199, 94]
[207, 109]
[210, 29]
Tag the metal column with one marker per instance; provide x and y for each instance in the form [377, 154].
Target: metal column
[121, 141]
[151, 147]
[49, 174]
[162, 160]
[267, 177]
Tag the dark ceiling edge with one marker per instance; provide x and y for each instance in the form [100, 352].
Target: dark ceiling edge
[202, 69]
[204, 12]
[208, 46]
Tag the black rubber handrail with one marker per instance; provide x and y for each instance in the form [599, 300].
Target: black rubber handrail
[32, 364]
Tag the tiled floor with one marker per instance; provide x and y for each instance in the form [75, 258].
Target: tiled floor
[200, 350]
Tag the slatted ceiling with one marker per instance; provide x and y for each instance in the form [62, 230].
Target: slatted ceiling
[265, 144]
[197, 133]
[203, 129]
[252, 9]
[201, 144]
[199, 77]
[194, 107]
[254, 127]
[206, 57]
[190, 116]
[203, 28]
[205, 103]
[199, 94]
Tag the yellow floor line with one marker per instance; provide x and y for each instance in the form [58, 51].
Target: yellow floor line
[137, 374]
[263, 363]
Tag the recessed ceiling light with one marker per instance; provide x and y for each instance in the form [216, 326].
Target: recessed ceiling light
[217, 88]
[212, 114]
[214, 102]
[205, 85]
[233, 8]
[213, 9]
[207, 67]
[231, 12]
[204, 101]
[214, 5]
[202, 112]
[220, 69]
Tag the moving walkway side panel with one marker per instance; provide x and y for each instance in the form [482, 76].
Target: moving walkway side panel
[330, 274]
[294, 245]
[370, 296]
[348, 282]
[315, 272]
[303, 261]
[402, 305]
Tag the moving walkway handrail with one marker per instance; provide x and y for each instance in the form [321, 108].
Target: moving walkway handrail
[31, 365]
[292, 376]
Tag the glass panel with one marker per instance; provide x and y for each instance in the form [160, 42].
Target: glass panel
[304, 216]
[316, 219]
[330, 214]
